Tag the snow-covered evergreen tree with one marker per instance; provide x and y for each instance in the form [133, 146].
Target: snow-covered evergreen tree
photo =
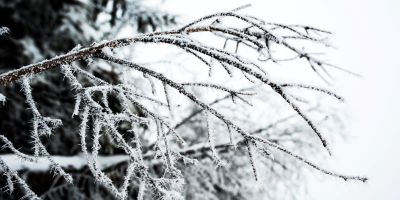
[86, 118]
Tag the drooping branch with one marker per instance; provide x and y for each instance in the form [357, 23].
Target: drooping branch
[174, 38]
[223, 118]
[99, 119]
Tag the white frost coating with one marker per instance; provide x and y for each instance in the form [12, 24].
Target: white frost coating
[4, 31]
[11, 174]
[100, 119]
[210, 136]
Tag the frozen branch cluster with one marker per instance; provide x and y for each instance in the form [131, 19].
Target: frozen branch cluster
[141, 109]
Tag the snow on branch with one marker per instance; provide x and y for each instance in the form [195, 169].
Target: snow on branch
[2, 98]
[77, 162]
[98, 119]
[4, 31]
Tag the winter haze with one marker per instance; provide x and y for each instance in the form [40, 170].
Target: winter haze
[366, 34]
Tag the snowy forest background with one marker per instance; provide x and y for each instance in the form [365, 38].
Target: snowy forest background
[42, 29]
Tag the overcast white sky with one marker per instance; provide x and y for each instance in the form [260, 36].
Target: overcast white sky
[367, 35]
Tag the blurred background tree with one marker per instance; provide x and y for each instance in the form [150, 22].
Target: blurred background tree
[41, 29]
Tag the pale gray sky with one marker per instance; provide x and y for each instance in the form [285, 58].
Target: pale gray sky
[367, 36]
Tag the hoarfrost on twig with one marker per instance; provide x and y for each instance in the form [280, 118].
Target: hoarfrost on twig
[99, 119]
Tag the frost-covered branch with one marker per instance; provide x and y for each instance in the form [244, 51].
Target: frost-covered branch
[124, 112]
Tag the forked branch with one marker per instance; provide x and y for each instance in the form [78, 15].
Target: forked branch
[98, 119]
